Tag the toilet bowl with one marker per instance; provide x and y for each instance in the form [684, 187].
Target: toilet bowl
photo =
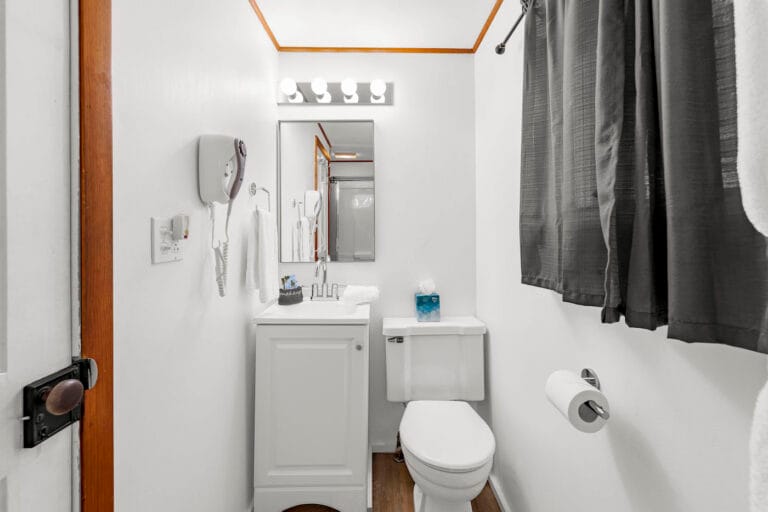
[448, 449]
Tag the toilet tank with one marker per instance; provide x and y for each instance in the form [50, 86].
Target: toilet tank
[435, 360]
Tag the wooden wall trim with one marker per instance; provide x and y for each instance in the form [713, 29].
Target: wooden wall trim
[370, 49]
[264, 24]
[487, 25]
[367, 49]
[97, 439]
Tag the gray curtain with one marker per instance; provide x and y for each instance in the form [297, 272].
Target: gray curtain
[630, 197]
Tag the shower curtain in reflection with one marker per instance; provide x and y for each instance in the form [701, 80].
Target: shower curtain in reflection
[629, 192]
[352, 219]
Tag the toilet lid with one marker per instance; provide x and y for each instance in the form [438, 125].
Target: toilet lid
[449, 436]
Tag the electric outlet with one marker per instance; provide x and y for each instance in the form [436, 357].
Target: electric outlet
[164, 248]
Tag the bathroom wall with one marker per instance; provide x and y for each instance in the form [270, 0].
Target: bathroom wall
[678, 437]
[183, 360]
[425, 191]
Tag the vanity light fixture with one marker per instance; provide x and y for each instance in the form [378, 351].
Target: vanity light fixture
[378, 91]
[320, 88]
[290, 89]
[345, 156]
[349, 90]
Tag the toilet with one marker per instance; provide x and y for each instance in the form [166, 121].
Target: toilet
[437, 368]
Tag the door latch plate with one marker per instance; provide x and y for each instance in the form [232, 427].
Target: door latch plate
[39, 423]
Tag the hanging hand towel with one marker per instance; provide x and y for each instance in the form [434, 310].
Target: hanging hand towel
[305, 239]
[261, 265]
[251, 256]
[312, 203]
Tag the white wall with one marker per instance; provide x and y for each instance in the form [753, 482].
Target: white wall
[425, 197]
[183, 360]
[678, 437]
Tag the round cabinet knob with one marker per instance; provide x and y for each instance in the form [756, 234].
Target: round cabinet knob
[63, 397]
[358, 347]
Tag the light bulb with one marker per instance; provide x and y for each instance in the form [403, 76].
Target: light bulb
[354, 98]
[288, 87]
[348, 87]
[378, 88]
[296, 98]
[319, 86]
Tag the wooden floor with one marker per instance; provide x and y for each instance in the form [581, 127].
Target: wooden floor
[393, 490]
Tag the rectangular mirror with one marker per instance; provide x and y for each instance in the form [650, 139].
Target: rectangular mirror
[326, 199]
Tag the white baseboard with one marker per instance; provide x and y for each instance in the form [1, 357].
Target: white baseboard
[500, 498]
[383, 447]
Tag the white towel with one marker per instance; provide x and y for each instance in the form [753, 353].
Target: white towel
[360, 294]
[311, 203]
[261, 271]
[751, 20]
[305, 239]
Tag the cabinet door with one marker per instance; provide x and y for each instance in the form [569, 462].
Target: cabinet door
[311, 405]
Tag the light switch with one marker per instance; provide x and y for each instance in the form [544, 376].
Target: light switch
[164, 248]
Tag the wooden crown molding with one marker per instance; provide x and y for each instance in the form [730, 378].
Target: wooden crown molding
[370, 49]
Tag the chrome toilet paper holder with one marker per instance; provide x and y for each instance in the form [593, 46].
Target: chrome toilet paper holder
[590, 410]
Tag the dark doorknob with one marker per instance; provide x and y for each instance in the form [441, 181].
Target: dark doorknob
[54, 402]
[63, 397]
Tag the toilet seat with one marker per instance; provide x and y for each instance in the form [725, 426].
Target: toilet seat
[448, 436]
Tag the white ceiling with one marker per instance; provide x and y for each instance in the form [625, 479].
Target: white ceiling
[377, 23]
[349, 133]
[354, 136]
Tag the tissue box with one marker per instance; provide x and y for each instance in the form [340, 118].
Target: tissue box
[428, 307]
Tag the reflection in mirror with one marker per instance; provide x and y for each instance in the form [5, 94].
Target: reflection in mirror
[326, 191]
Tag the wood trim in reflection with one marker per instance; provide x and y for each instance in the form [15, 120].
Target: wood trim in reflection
[319, 147]
[373, 49]
[325, 135]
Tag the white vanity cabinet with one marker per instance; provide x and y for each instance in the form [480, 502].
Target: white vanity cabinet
[311, 421]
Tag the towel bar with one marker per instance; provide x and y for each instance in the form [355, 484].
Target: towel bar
[254, 189]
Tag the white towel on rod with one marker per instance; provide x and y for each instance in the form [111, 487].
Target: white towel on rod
[261, 271]
[312, 203]
[305, 239]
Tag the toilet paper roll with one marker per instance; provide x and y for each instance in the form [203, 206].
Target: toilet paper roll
[569, 393]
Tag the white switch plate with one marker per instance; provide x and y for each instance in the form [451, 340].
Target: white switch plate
[164, 248]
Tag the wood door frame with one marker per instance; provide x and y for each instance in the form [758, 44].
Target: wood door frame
[319, 147]
[96, 284]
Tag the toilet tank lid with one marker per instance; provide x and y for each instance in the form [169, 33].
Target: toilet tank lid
[447, 325]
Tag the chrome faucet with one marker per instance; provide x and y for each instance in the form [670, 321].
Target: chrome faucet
[321, 289]
[322, 263]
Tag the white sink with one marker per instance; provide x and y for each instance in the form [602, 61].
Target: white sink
[316, 312]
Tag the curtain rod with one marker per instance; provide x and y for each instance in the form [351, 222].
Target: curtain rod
[526, 4]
